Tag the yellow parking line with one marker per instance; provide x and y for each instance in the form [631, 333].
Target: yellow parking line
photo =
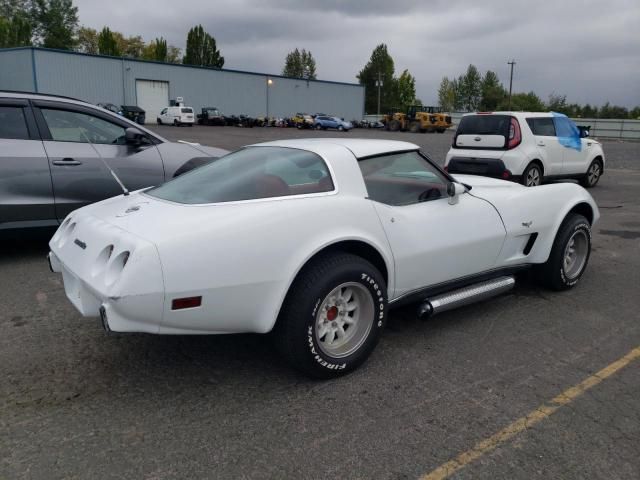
[523, 423]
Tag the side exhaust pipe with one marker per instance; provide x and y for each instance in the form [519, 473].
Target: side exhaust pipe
[465, 296]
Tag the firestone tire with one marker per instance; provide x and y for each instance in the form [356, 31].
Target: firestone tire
[569, 255]
[333, 316]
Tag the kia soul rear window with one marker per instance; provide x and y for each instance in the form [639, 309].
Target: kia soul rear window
[484, 125]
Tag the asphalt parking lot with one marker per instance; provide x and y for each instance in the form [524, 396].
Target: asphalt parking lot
[532, 384]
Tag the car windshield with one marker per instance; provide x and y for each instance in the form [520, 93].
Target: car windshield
[250, 173]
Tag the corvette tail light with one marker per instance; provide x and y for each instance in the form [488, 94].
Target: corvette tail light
[515, 136]
[506, 175]
[187, 302]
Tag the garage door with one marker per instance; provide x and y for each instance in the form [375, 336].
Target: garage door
[152, 97]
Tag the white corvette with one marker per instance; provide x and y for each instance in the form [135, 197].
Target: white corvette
[315, 240]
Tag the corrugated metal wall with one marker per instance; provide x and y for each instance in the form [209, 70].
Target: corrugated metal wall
[15, 70]
[104, 79]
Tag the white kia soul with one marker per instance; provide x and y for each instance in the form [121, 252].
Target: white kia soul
[526, 147]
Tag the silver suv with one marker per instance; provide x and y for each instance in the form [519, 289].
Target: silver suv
[56, 153]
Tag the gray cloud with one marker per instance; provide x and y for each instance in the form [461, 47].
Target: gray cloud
[586, 49]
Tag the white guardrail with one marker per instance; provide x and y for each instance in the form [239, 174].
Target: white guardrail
[600, 127]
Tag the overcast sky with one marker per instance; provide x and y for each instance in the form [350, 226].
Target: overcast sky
[588, 50]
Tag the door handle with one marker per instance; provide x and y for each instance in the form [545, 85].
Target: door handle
[67, 162]
[541, 143]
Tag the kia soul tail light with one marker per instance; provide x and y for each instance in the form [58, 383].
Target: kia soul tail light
[515, 135]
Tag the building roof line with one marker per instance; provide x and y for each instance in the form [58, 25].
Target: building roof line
[129, 59]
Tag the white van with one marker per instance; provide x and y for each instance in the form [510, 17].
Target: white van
[176, 116]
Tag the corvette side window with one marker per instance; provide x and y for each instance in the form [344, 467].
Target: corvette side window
[402, 179]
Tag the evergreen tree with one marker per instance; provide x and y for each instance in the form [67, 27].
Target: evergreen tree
[107, 43]
[299, 64]
[492, 92]
[380, 66]
[406, 89]
[470, 89]
[201, 49]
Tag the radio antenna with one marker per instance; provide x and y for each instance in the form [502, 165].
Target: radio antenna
[125, 192]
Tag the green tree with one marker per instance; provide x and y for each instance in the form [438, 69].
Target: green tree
[406, 89]
[300, 64]
[589, 112]
[446, 95]
[55, 23]
[107, 43]
[635, 113]
[174, 54]
[156, 50]
[380, 66]
[201, 49]
[132, 46]
[526, 102]
[492, 91]
[470, 89]
[15, 31]
[87, 40]
[558, 103]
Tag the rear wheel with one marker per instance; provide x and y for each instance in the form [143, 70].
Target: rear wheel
[441, 130]
[532, 175]
[394, 125]
[569, 254]
[333, 316]
[594, 172]
[159, 121]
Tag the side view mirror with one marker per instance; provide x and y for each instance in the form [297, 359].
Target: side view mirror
[454, 190]
[133, 136]
[584, 131]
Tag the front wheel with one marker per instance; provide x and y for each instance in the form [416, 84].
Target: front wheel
[340, 128]
[594, 172]
[333, 316]
[569, 254]
[532, 175]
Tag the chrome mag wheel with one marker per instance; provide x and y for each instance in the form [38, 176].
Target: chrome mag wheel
[344, 319]
[575, 254]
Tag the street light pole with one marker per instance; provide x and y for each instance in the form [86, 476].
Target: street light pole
[268, 83]
[512, 63]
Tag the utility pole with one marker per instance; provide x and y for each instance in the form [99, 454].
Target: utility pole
[512, 63]
[379, 85]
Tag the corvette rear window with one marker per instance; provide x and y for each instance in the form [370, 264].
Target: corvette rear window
[250, 173]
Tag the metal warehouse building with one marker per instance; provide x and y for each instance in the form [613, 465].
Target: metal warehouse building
[150, 85]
